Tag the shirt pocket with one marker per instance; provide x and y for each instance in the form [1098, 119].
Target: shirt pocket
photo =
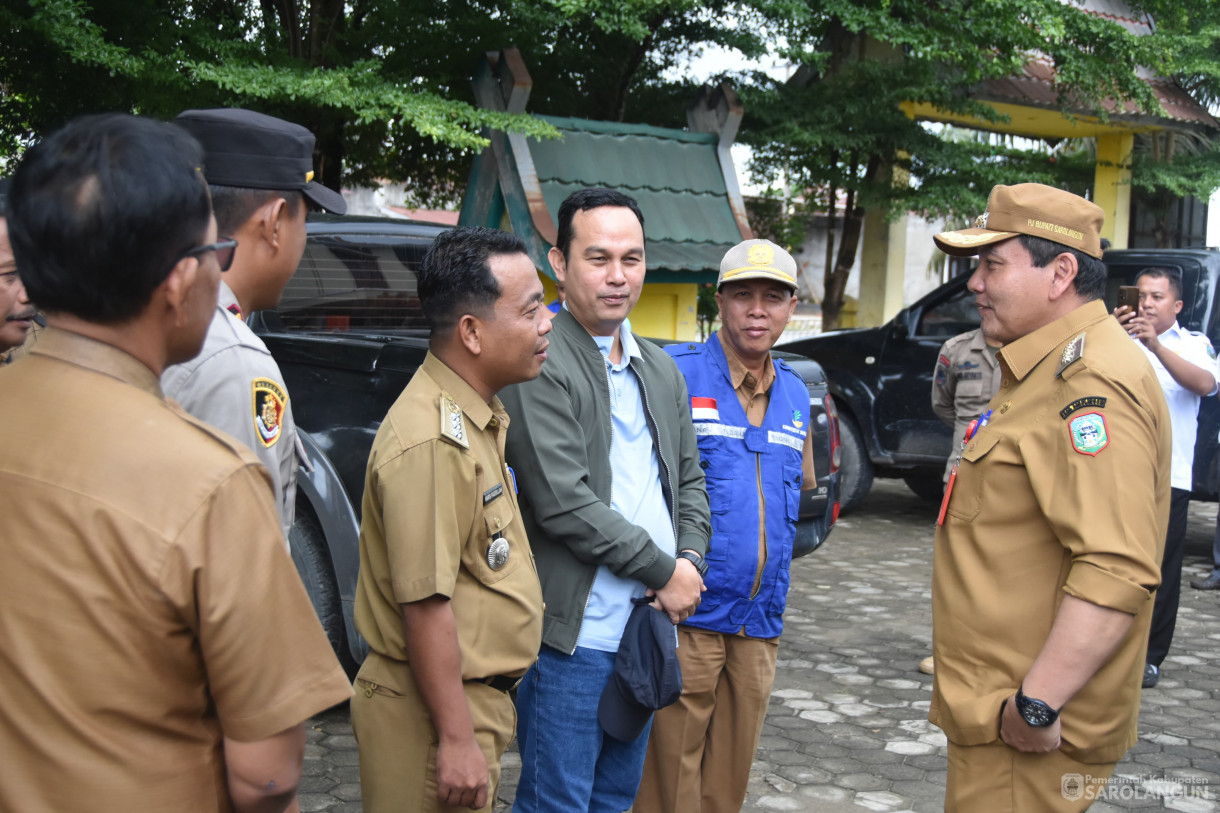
[966, 499]
[792, 491]
[497, 517]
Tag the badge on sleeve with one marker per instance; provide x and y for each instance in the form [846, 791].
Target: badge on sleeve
[453, 425]
[269, 401]
[1089, 433]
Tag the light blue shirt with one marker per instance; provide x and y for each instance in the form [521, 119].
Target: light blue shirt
[635, 492]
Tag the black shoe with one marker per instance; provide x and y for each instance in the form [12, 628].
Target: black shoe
[1212, 582]
[1151, 675]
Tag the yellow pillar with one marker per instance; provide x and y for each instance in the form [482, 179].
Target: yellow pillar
[882, 268]
[1112, 185]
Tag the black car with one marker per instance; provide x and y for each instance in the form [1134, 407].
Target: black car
[881, 378]
[348, 335]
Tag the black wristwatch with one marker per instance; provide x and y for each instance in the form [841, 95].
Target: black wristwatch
[695, 559]
[1035, 713]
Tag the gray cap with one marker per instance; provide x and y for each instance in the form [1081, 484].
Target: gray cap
[757, 259]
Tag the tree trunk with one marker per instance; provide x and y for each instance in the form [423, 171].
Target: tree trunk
[849, 242]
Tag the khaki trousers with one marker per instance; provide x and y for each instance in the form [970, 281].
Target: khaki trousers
[397, 742]
[702, 747]
[999, 779]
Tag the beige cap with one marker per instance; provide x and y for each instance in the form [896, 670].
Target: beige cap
[1033, 209]
[757, 259]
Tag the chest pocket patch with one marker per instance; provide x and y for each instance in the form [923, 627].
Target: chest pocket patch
[966, 499]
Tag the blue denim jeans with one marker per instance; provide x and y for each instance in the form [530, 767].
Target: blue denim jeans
[568, 763]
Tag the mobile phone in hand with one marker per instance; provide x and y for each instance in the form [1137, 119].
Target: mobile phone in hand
[1129, 295]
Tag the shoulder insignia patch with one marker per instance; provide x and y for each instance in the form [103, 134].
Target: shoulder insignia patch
[1089, 433]
[1211, 351]
[1098, 401]
[1073, 351]
[269, 402]
[453, 424]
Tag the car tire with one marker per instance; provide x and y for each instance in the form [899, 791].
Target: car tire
[926, 483]
[308, 547]
[855, 469]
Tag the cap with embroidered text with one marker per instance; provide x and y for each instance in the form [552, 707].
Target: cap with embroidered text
[255, 151]
[1033, 209]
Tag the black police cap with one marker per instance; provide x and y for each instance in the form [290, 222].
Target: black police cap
[255, 151]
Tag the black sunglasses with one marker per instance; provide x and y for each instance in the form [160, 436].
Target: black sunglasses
[225, 248]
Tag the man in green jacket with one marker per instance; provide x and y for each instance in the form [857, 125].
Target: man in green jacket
[614, 504]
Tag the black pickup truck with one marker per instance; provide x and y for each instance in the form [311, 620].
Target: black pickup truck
[348, 335]
[881, 378]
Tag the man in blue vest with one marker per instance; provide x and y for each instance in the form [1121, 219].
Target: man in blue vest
[751, 416]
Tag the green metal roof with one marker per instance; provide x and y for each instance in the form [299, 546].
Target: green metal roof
[674, 175]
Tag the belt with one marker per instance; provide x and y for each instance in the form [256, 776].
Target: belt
[501, 683]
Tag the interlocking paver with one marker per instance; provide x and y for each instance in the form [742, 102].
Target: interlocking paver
[847, 726]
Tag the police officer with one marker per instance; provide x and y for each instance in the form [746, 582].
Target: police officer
[448, 596]
[1050, 541]
[751, 416]
[260, 170]
[160, 651]
[966, 376]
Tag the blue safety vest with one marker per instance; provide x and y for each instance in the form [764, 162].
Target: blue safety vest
[734, 454]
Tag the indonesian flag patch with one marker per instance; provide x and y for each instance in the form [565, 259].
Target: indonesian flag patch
[269, 403]
[703, 409]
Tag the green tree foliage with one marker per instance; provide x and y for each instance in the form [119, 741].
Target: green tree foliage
[837, 129]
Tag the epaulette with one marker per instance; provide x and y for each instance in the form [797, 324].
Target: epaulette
[684, 348]
[1071, 354]
[453, 423]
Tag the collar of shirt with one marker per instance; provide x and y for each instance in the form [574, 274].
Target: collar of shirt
[1025, 353]
[742, 379]
[99, 357]
[226, 301]
[1174, 331]
[630, 348]
[478, 410]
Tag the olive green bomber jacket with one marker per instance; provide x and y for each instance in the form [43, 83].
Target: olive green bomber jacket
[559, 448]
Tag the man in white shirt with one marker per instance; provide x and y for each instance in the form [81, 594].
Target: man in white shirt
[1185, 364]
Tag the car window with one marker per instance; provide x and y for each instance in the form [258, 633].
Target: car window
[355, 281]
[949, 317]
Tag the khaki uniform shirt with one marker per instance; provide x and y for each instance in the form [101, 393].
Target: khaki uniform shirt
[1066, 490]
[437, 495]
[147, 604]
[967, 375]
[234, 384]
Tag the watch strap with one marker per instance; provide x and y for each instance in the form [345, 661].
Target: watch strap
[695, 559]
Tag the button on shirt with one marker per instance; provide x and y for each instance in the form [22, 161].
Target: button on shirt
[636, 494]
[1183, 404]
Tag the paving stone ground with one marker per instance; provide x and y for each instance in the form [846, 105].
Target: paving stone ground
[847, 727]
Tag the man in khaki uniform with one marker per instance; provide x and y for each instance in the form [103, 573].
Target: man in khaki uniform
[967, 375]
[448, 596]
[1048, 554]
[159, 651]
[260, 170]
